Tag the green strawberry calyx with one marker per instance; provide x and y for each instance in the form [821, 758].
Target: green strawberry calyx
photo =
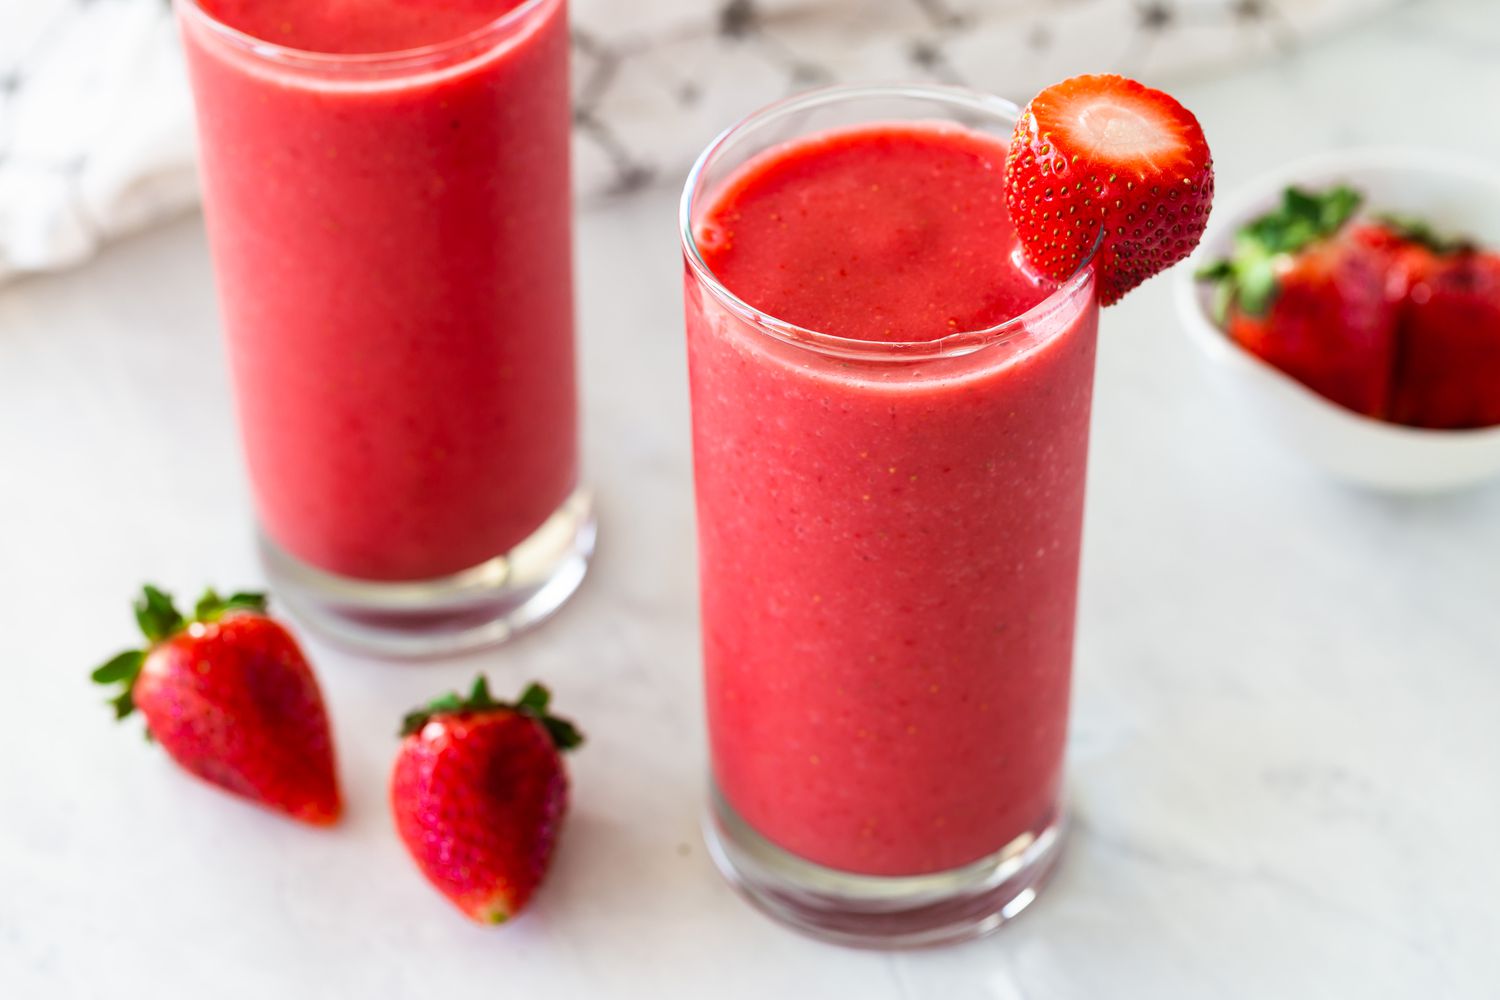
[1248, 276]
[1420, 231]
[159, 620]
[533, 702]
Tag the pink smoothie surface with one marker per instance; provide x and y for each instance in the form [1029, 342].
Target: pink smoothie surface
[392, 251]
[889, 551]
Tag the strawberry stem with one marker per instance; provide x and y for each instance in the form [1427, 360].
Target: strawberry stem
[211, 607]
[122, 668]
[1420, 231]
[157, 615]
[533, 702]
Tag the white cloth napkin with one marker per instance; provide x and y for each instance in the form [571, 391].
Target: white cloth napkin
[95, 118]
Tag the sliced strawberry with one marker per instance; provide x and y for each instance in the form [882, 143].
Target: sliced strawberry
[230, 697]
[1106, 167]
[479, 792]
[1448, 371]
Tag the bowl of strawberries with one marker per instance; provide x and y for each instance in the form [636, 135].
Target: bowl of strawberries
[1352, 302]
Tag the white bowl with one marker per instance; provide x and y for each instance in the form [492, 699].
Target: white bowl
[1456, 195]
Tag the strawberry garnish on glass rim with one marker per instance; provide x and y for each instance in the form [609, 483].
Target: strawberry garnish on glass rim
[230, 697]
[1105, 168]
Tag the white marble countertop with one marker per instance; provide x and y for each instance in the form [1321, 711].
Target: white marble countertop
[1284, 756]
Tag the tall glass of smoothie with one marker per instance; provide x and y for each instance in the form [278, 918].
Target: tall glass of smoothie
[386, 191]
[890, 427]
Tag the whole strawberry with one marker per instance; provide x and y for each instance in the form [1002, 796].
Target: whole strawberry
[479, 792]
[1332, 325]
[229, 695]
[1106, 168]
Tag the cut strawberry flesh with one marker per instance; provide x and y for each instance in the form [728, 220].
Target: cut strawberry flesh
[1117, 129]
[1106, 167]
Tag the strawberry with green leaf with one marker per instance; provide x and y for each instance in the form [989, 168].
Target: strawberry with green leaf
[1385, 316]
[1263, 250]
[479, 792]
[230, 697]
[1316, 301]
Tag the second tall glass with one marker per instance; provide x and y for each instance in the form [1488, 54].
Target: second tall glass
[391, 234]
[889, 532]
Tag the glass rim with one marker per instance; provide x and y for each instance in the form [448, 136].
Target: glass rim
[949, 345]
[416, 57]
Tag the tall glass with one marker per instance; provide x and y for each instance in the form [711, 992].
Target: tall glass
[391, 237]
[889, 540]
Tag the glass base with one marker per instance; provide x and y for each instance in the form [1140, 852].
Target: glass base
[481, 606]
[872, 911]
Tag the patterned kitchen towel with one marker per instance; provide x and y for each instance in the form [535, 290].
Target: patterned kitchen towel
[95, 120]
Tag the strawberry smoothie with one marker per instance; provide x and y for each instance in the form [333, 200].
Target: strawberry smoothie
[890, 427]
[391, 239]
